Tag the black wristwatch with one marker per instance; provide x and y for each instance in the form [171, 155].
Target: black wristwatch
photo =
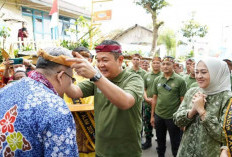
[96, 77]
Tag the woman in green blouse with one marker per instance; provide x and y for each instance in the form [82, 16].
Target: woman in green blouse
[202, 111]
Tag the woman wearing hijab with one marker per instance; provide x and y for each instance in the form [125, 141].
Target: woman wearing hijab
[202, 111]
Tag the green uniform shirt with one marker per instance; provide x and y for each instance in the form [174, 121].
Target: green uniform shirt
[140, 72]
[117, 131]
[168, 101]
[189, 81]
[202, 138]
[149, 79]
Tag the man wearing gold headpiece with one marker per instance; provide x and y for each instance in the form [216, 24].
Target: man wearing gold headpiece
[35, 120]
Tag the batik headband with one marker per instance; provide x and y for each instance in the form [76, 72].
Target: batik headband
[108, 48]
[57, 59]
[170, 59]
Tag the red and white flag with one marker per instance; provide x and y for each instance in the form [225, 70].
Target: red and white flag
[54, 14]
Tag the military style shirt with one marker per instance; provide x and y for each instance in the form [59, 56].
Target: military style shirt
[149, 79]
[140, 72]
[117, 131]
[168, 94]
[189, 81]
[202, 138]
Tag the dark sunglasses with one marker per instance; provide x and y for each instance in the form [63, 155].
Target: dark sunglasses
[73, 79]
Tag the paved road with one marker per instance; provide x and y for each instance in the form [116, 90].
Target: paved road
[151, 152]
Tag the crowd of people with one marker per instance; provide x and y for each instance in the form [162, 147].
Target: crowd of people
[193, 106]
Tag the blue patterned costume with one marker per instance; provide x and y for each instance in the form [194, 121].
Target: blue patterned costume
[35, 122]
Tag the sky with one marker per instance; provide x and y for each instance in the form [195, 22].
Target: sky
[216, 14]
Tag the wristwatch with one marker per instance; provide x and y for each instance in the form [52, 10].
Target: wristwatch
[96, 77]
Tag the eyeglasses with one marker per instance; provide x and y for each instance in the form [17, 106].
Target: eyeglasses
[73, 79]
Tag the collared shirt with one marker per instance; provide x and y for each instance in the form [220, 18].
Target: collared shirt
[140, 72]
[168, 101]
[117, 131]
[35, 121]
[189, 81]
[149, 79]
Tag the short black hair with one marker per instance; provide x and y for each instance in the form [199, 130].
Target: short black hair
[112, 42]
[81, 48]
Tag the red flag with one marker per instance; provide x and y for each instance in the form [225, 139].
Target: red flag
[54, 7]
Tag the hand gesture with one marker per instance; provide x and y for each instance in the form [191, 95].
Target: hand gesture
[82, 66]
[149, 100]
[8, 63]
[199, 100]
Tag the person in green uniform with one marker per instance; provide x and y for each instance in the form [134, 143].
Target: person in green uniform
[188, 64]
[136, 58]
[202, 111]
[118, 96]
[148, 82]
[169, 91]
[145, 65]
[190, 79]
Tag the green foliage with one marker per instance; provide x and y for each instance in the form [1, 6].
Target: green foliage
[72, 45]
[168, 38]
[193, 29]
[16, 51]
[27, 48]
[5, 32]
[152, 5]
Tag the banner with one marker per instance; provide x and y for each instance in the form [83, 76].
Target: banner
[102, 15]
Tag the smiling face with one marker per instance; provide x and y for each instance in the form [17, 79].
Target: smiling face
[202, 75]
[108, 65]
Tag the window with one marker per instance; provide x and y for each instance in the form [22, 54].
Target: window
[41, 24]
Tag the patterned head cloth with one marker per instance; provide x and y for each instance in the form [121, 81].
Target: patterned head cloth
[108, 48]
[168, 58]
[57, 59]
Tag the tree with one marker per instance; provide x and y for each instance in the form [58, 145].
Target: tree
[192, 30]
[153, 7]
[168, 38]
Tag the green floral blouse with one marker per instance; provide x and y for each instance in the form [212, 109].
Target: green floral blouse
[202, 138]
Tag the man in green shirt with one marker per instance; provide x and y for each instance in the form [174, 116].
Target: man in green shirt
[169, 91]
[188, 65]
[148, 82]
[136, 68]
[190, 79]
[118, 96]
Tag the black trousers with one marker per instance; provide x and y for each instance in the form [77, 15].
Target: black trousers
[161, 127]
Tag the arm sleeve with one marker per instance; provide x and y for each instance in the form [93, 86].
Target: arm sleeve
[183, 88]
[135, 87]
[180, 117]
[155, 83]
[87, 88]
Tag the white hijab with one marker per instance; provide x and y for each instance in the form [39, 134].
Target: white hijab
[219, 76]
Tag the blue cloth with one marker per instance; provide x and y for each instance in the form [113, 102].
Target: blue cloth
[35, 122]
